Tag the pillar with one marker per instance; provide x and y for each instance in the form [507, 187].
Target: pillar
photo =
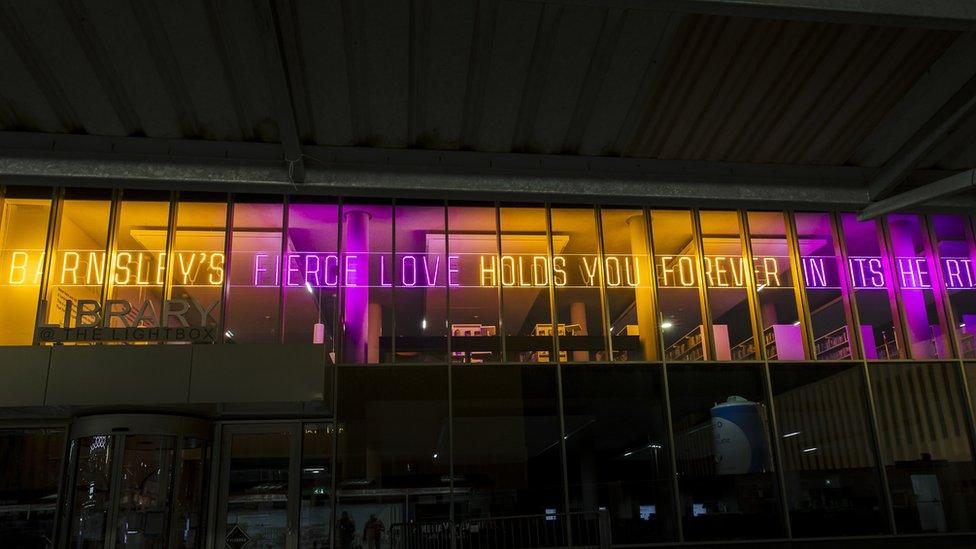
[643, 293]
[577, 315]
[355, 270]
[919, 334]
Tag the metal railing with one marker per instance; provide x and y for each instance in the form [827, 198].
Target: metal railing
[582, 529]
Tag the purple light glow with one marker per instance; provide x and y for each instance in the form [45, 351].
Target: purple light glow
[322, 270]
[867, 273]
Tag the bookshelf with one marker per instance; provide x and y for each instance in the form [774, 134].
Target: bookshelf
[835, 345]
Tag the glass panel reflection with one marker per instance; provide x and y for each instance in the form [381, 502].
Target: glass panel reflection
[191, 494]
[782, 335]
[524, 276]
[257, 496]
[198, 264]
[312, 273]
[474, 286]
[956, 254]
[916, 278]
[822, 272]
[617, 449]
[726, 280]
[393, 463]
[722, 442]
[577, 274]
[253, 282]
[679, 300]
[23, 234]
[925, 446]
[315, 520]
[629, 292]
[145, 491]
[30, 464]
[833, 485]
[421, 271]
[90, 494]
[870, 281]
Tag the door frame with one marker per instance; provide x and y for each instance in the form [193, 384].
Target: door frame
[221, 481]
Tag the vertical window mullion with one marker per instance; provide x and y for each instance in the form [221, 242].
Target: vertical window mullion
[47, 262]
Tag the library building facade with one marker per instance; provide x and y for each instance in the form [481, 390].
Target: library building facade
[195, 369]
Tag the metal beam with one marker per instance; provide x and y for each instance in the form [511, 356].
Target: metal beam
[168, 164]
[959, 15]
[937, 128]
[281, 92]
[920, 195]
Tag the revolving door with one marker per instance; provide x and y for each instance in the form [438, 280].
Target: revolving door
[137, 480]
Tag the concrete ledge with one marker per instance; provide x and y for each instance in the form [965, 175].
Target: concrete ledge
[23, 375]
[258, 373]
[129, 374]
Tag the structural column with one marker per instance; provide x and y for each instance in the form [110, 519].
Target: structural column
[644, 292]
[355, 269]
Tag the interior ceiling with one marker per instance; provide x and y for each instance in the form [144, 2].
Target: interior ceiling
[573, 78]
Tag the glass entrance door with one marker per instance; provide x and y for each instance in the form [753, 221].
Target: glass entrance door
[137, 481]
[275, 486]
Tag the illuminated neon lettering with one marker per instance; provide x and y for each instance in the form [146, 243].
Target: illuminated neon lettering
[738, 275]
[431, 278]
[613, 272]
[588, 271]
[408, 269]
[291, 268]
[95, 271]
[453, 270]
[508, 267]
[122, 260]
[686, 271]
[559, 271]
[332, 265]
[186, 269]
[216, 277]
[384, 280]
[771, 272]
[351, 271]
[814, 272]
[632, 281]
[18, 266]
[312, 266]
[69, 264]
[258, 269]
[540, 273]
[490, 271]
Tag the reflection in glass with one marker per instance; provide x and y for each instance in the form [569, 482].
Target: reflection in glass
[822, 269]
[722, 442]
[782, 334]
[832, 482]
[257, 487]
[254, 277]
[138, 267]
[617, 449]
[679, 299]
[524, 276]
[925, 446]
[392, 469]
[90, 494]
[916, 277]
[316, 511]
[23, 232]
[956, 254]
[870, 281]
[507, 443]
[629, 291]
[30, 463]
[726, 280]
[474, 285]
[198, 264]
[311, 274]
[190, 501]
[78, 267]
[145, 491]
[577, 275]
[420, 273]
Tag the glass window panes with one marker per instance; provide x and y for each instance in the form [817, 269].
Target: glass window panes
[198, 265]
[676, 266]
[254, 278]
[30, 465]
[953, 243]
[23, 235]
[723, 448]
[524, 275]
[825, 286]
[925, 446]
[474, 283]
[782, 329]
[311, 273]
[726, 281]
[577, 275]
[870, 281]
[629, 289]
[420, 274]
[832, 482]
[367, 297]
